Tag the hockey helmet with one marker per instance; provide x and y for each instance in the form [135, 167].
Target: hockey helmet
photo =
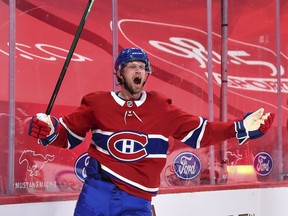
[132, 54]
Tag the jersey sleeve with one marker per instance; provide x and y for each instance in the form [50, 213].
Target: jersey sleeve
[197, 131]
[75, 125]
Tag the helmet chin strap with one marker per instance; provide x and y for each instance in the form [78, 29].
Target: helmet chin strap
[146, 79]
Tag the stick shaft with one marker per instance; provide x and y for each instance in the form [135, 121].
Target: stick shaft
[69, 56]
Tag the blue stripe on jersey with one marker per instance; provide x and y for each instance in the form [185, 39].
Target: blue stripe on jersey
[156, 144]
[73, 139]
[194, 137]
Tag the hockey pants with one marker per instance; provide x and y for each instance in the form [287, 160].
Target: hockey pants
[101, 197]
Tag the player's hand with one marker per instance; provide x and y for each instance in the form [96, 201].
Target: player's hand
[44, 128]
[253, 126]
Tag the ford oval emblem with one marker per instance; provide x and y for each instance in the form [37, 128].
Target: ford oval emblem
[187, 165]
[263, 163]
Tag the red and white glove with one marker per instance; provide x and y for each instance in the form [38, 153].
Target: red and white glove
[44, 127]
[253, 126]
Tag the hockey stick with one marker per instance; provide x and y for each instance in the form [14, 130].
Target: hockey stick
[69, 56]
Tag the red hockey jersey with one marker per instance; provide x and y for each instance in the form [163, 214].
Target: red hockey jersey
[130, 138]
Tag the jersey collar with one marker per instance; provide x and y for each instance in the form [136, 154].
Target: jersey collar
[122, 102]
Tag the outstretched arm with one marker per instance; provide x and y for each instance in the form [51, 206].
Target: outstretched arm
[197, 132]
[254, 125]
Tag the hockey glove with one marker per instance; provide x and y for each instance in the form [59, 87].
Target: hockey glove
[44, 127]
[253, 126]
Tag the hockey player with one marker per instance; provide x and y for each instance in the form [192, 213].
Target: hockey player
[130, 131]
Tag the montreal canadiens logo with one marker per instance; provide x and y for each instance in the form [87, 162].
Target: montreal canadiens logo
[187, 165]
[128, 146]
[80, 166]
[263, 164]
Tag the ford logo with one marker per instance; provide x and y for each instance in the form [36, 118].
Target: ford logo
[187, 165]
[263, 164]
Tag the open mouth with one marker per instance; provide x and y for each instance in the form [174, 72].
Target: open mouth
[137, 80]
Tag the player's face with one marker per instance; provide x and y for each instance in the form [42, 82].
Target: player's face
[134, 75]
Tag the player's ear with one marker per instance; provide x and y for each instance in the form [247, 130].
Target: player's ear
[118, 73]
[119, 76]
